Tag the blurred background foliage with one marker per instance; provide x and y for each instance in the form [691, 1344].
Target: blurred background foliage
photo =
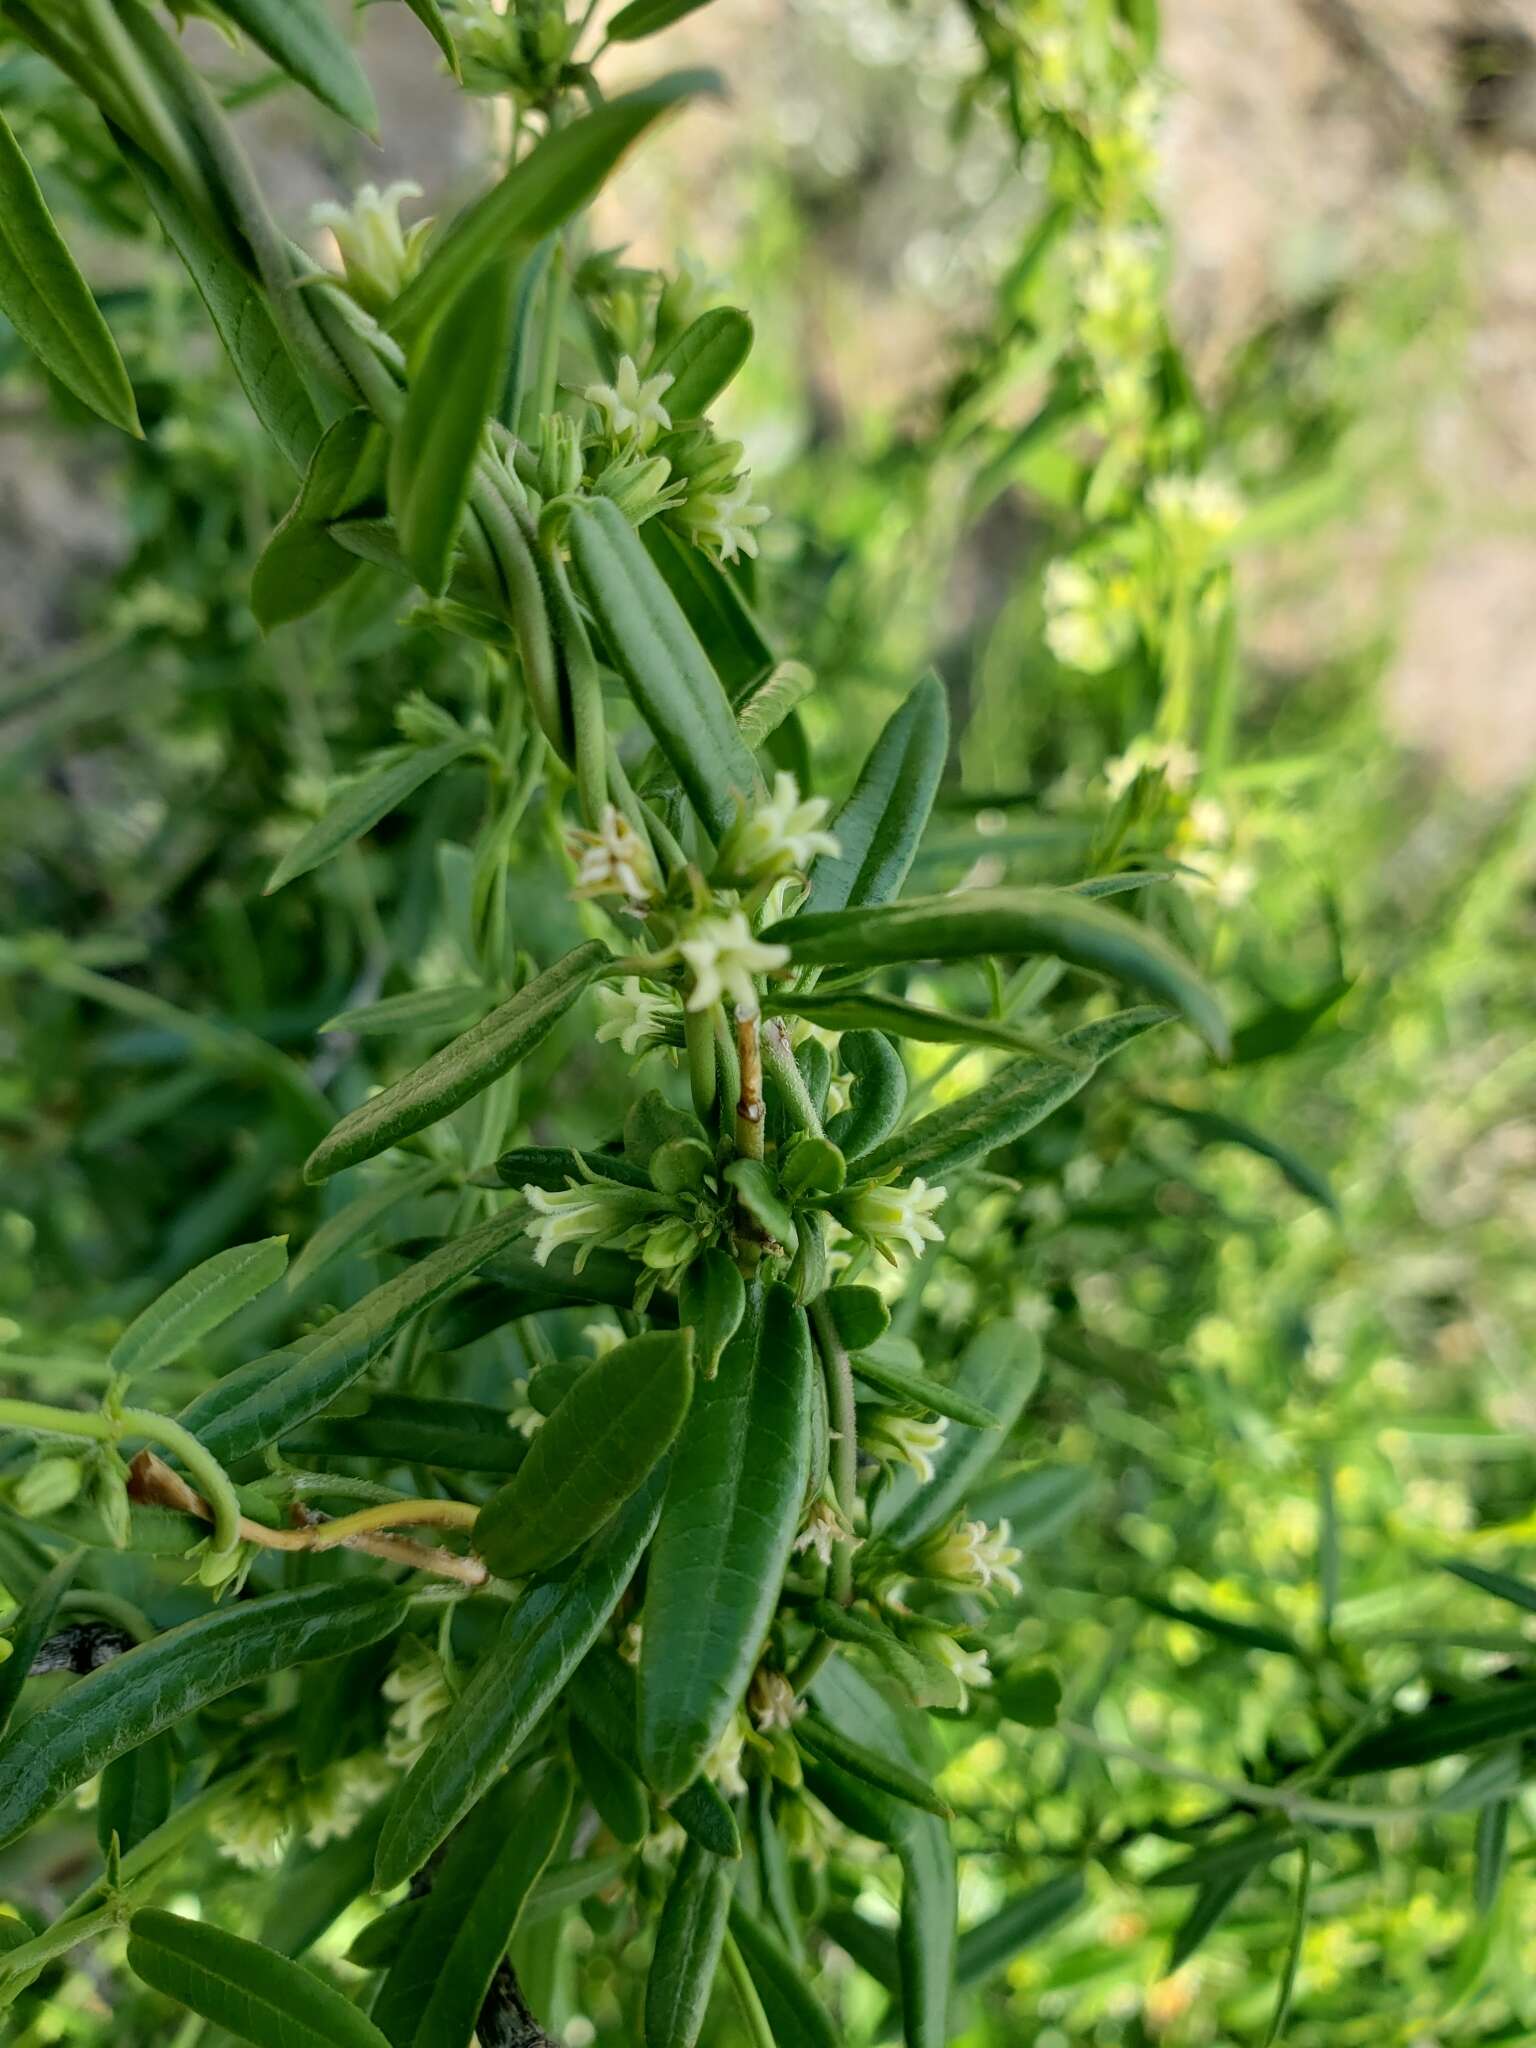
[1135, 520]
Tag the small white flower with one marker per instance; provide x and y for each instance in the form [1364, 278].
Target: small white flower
[1090, 621]
[632, 1015]
[523, 1419]
[255, 1828]
[971, 1557]
[822, 1530]
[334, 1804]
[723, 956]
[602, 1337]
[585, 1213]
[614, 860]
[889, 1217]
[772, 1702]
[377, 253]
[906, 1440]
[1080, 1176]
[1197, 513]
[630, 406]
[417, 1690]
[1208, 823]
[1229, 881]
[970, 1667]
[779, 834]
[724, 521]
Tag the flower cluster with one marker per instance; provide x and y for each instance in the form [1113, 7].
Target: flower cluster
[780, 834]
[722, 956]
[665, 1231]
[1090, 615]
[521, 48]
[614, 860]
[894, 1219]
[971, 1557]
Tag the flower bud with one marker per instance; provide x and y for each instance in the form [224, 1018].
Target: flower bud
[46, 1486]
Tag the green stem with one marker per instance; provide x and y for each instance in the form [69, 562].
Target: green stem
[843, 1407]
[212, 1480]
[699, 1037]
[779, 1059]
[130, 1619]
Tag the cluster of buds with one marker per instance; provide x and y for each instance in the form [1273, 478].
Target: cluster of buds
[723, 957]
[718, 511]
[970, 1557]
[522, 47]
[664, 1227]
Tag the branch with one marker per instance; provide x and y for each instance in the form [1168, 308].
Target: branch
[152, 1483]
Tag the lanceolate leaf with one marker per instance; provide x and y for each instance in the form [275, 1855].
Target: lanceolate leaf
[1007, 921]
[603, 1439]
[688, 1942]
[540, 1644]
[793, 2013]
[48, 302]
[361, 805]
[456, 1436]
[603, 1693]
[718, 1563]
[455, 381]
[879, 827]
[472, 1062]
[555, 180]
[991, 1945]
[723, 622]
[301, 565]
[877, 1369]
[28, 1633]
[1214, 1900]
[444, 1964]
[617, 1793]
[1502, 1585]
[888, 1774]
[999, 1370]
[262, 1401]
[668, 673]
[135, 1794]
[1210, 1127]
[453, 1008]
[238, 312]
[869, 1010]
[1016, 1098]
[198, 1303]
[1449, 1729]
[353, 1222]
[430, 15]
[260, 1996]
[645, 17]
[703, 360]
[133, 1698]
[300, 36]
[925, 1933]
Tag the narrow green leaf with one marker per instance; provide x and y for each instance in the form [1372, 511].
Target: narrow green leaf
[361, 805]
[452, 1436]
[798, 2020]
[301, 39]
[128, 1701]
[1248, 1850]
[1491, 1855]
[237, 310]
[603, 1694]
[259, 1402]
[861, 1761]
[353, 1223]
[1007, 921]
[462, 1069]
[1245, 1635]
[878, 1369]
[49, 303]
[258, 1995]
[302, 565]
[454, 383]
[1502, 1585]
[703, 360]
[925, 1933]
[659, 656]
[688, 1940]
[603, 1440]
[554, 181]
[450, 1950]
[617, 1793]
[1293, 1948]
[200, 1300]
[541, 1642]
[879, 1078]
[453, 1008]
[26, 1635]
[645, 17]
[726, 628]
[1211, 1127]
[999, 1369]
[135, 1795]
[1450, 1728]
[1015, 1099]
[880, 825]
[1214, 1900]
[1281, 1026]
[430, 15]
[869, 1010]
[556, 1166]
[711, 1302]
[992, 1944]
[718, 1563]
[1039, 1501]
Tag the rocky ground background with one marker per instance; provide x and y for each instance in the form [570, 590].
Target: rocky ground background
[1306, 142]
